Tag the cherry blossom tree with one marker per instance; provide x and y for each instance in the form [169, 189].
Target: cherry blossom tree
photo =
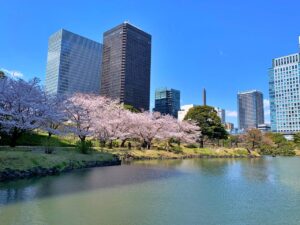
[54, 115]
[189, 132]
[148, 126]
[20, 107]
[104, 116]
[79, 110]
[25, 107]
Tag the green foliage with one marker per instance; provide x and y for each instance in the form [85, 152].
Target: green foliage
[285, 150]
[115, 144]
[131, 108]
[277, 138]
[176, 149]
[191, 146]
[280, 146]
[208, 120]
[84, 147]
[297, 139]
[49, 145]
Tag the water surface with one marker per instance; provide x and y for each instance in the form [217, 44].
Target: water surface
[178, 192]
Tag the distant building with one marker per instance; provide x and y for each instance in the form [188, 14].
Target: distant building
[264, 127]
[167, 101]
[73, 64]
[229, 127]
[126, 65]
[183, 111]
[204, 97]
[284, 91]
[221, 114]
[250, 109]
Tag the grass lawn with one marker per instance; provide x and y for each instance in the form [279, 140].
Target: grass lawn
[21, 158]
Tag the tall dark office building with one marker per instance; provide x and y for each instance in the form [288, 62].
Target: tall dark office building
[167, 101]
[126, 65]
[250, 109]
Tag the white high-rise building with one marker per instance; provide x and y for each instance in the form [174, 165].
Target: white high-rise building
[284, 90]
[183, 111]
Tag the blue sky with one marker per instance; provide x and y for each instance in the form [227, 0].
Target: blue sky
[225, 46]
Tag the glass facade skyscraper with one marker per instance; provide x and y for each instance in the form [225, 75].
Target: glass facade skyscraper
[284, 82]
[73, 64]
[167, 101]
[126, 65]
[250, 109]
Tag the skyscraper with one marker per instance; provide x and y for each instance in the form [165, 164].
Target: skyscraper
[73, 64]
[221, 114]
[167, 101]
[126, 65]
[284, 91]
[250, 109]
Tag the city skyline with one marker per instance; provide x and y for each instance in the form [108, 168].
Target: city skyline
[215, 41]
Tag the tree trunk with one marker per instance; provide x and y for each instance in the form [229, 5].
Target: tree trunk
[14, 137]
[110, 144]
[13, 141]
[82, 139]
[129, 145]
[102, 144]
[201, 143]
[144, 145]
[49, 135]
[123, 143]
[249, 151]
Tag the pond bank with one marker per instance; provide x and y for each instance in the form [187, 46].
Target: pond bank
[26, 162]
[16, 164]
[127, 155]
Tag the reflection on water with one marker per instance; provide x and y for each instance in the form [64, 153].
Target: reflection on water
[191, 191]
[84, 180]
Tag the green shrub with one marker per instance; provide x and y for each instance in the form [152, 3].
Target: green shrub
[191, 146]
[115, 144]
[49, 145]
[286, 149]
[84, 146]
[176, 149]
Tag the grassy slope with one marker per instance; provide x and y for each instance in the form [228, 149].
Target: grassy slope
[37, 139]
[21, 159]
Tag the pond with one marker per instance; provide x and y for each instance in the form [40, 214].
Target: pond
[177, 192]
